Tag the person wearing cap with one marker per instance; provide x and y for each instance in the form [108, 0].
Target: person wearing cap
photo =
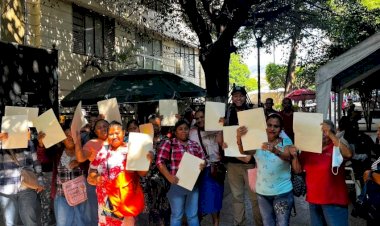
[237, 174]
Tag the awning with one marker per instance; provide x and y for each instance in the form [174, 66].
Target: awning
[132, 86]
[347, 70]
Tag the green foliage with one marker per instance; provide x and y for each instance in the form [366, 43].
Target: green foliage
[239, 73]
[371, 4]
[275, 76]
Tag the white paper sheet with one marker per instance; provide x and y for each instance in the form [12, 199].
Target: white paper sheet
[139, 144]
[32, 113]
[188, 171]
[307, 131]
[168, 109]
[229, 137]
[213, 112]
[78, 121]
[147, 129]
[110, 109]
[48, 123]
[255, 122]
[17, 128]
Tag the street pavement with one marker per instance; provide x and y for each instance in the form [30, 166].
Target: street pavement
[301, 218]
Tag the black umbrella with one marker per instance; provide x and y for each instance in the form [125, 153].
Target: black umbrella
[132, 85]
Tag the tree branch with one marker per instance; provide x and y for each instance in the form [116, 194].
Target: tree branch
[197, 21]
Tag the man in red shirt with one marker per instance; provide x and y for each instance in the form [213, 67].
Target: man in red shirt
[287, 116]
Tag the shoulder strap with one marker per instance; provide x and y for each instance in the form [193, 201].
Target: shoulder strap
[170, 150]
[201, 142]
[13, 156]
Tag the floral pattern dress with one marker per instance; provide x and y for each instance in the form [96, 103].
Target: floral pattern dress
[108, 163]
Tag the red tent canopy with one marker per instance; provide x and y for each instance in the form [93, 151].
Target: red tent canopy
[301, 95]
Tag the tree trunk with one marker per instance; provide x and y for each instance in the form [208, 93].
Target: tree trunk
[215, 64]
[290, 73]
[365, 94]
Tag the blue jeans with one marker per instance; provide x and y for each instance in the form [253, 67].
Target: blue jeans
[275, 209]
[22, 208]
[68, 215]
[331, 215]
[91, 206]
[183, 201]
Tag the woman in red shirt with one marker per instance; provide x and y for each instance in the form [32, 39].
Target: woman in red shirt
[326, 193]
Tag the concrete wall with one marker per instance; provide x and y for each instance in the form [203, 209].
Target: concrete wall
[48, 23]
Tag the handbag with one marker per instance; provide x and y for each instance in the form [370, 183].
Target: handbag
[75, 190]
[157, 178]
[367, 205]
[29, 178]
[299, 184]
[218, 170]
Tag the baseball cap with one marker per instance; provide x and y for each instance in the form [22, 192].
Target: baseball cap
[238, 89]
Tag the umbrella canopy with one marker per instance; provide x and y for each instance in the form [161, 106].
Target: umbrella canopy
[301, 95]
[132, 85]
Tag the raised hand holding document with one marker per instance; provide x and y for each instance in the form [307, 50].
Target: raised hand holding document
[32, 113]
[17, 128]
[78, 121]
[307, 131]
[110, 109]
[229, 137]
[48, 123]
[213, 112]
[139, 145]
[255, 122]
[188, 171]
[168, 109]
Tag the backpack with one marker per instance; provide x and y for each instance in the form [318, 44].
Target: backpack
[367, 205]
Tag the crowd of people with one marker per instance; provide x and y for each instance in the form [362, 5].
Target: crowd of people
[98, 155]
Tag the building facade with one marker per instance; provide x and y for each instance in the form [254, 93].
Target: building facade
[91, 37]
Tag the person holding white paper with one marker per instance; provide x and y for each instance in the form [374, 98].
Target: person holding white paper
[46, 158]
[88, 152]
[155, 196]
[210, 190]
[19, 205]
[132, 126]
[66, 168]
[273, 185]
[237, 174]
[171, 151]
[325, 179]
[105, 169]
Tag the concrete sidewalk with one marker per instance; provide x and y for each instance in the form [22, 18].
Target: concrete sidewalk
[301, 218]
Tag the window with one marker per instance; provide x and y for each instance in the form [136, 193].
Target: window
[185, 61]
[150, 55]
[93, 34]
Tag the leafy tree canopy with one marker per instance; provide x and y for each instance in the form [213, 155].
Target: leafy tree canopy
[276, 74]
[239, 73]
[371, 4]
